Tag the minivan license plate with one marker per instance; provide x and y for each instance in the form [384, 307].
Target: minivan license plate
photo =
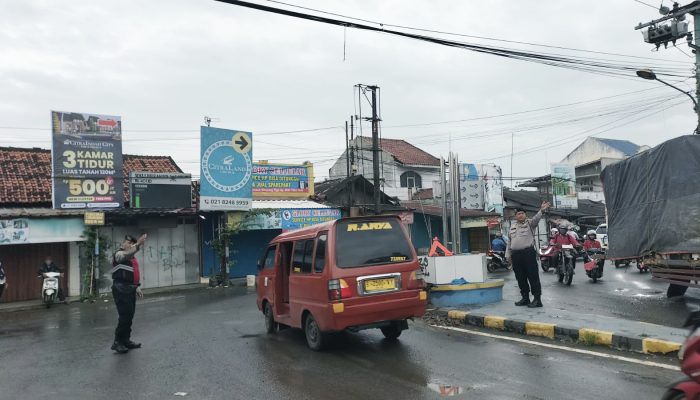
[374, 285]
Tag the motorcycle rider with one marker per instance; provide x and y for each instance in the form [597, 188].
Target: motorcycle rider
[498, 244]
[553, 233]
[591, 242]
[564, 238]
[50, 266]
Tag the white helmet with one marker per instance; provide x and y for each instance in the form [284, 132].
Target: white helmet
[591, 232]
[553, 231]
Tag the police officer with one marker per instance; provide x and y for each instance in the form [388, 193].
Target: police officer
[125, 288]
[521, 253]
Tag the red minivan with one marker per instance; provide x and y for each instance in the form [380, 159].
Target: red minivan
[352, 273]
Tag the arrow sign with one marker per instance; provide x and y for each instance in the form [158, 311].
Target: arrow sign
[242, 142]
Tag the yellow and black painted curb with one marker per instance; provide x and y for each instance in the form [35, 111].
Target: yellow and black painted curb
[584, 335]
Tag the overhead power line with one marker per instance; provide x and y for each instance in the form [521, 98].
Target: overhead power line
[384, 24]
[591, 65]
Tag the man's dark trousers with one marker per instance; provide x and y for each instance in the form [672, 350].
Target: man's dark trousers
[525, 268]
[125, 300]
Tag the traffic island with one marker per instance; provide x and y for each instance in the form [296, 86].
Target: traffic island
[487, 292]
[588, 330]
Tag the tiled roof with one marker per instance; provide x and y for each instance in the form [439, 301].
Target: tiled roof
[625, 146]
[25, 174]
[405, 152]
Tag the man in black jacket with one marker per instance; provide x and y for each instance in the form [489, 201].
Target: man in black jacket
[125, 287]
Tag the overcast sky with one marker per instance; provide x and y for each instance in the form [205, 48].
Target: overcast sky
[163, 65]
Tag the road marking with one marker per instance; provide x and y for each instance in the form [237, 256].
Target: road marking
[563, 348]
[539, 329]
[595, 336]
[494, 322]
[650, 345]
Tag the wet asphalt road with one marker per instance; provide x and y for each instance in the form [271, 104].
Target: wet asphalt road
[623, 293]
[210, 344]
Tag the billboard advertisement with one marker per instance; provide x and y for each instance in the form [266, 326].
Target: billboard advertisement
[41, 230]
[472, 194]
[471, 187]
[160, 190]
[564, 186]
[86, 159]
[492, 177]
[296, 218]
[481, 187]
[226, 166]
[281, 180]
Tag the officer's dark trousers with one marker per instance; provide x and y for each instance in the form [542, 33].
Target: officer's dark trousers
[526, 272]
[125, 300]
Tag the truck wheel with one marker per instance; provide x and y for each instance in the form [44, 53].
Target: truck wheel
[270, 325]
[391, 332]
[676, 290]
[314, 337]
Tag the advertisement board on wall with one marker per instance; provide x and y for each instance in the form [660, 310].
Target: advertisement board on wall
[564, 186]
[283, 181]
[86, 159]
[160, 190]
[44, 230]
[226, 170]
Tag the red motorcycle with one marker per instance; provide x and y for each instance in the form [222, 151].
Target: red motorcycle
[689, 386]
[548, 257]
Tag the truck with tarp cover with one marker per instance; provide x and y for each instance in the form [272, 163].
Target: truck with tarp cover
[653, 206]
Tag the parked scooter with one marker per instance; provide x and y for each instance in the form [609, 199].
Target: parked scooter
[567, 261]
[496, 260]
[689, 386]
[595, 263]
[549, 255]
[49, 289]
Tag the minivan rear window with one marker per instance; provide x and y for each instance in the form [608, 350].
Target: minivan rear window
[602, 230]
[370, 242]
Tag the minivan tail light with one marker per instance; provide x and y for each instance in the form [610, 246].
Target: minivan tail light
[338, 289]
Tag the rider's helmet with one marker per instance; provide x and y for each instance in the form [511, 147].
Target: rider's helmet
[563, 229]
[591, 234]
[499, 235]
[554, 231]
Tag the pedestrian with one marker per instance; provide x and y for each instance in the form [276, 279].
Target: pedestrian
[49, 266]
[522, 255]
[3, 280]
[126, 284]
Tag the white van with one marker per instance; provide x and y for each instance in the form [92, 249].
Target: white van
[601, 233]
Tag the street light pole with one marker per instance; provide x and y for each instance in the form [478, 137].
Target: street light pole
[650, 75]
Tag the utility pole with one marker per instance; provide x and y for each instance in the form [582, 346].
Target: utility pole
[347, 165]
[375, 144]
[659, 33]
[375, 150]
[353, 169]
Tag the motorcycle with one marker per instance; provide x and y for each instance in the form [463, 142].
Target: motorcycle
[496, 260]
[641, 266]
[49, 288]
[595, 263]
[688, 387]
[548, 257]
[567, 261]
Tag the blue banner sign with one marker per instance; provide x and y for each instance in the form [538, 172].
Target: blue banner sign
[226, 170]
[295, 218]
